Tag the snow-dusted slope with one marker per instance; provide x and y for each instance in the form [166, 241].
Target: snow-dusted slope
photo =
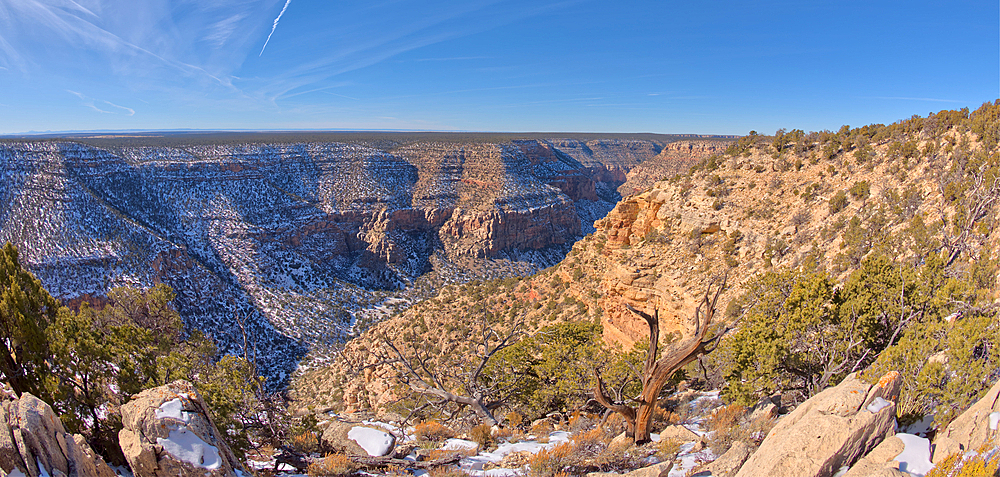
[299, 242]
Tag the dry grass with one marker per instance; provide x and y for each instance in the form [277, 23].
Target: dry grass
[542, 428]
[432, 431]
[333, 465]
[725, 417]
[588, 451]
[514, 419]
[983, 463]
[729, 424]
[550, 462]
[508, 434]
[306, 442]
[667, 449]
[435, 454]
[446, 471]
[482, 434]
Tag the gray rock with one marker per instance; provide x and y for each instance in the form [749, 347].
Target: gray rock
[31, 436]
[169, 432]
[830, 430]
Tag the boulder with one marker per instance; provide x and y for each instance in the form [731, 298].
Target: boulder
[357, 439]
[730, 462]
[881, 461]
[679, 433]
[169, 432]
[970, 429]
[828, 431]
[33, 442]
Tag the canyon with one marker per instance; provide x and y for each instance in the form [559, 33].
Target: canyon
[296, 243]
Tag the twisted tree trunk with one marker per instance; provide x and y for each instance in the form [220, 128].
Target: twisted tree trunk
[657, 370]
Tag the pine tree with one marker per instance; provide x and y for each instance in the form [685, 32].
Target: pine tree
[26, 310]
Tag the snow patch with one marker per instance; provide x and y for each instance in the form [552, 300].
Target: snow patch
[994, 420]
[460, 444]
[173, 409]
[188, 447]
[877, 405]
[916, 456]
[374, 442]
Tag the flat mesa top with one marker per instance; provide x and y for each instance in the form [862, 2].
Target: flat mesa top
[155, 138]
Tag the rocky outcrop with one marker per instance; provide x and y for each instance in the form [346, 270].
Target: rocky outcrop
[33, 442]
[830, 430]
[357, 439]
[970, 430]
[881, 461]
[675, 158]
[168, 432]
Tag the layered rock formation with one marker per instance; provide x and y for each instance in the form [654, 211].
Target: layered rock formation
[33, 442]
[305, 238]
[168, 432]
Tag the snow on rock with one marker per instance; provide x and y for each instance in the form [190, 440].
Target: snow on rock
[916, 456]
[167, 431]
[353, 438]
[373, 441]
[173, 409]
[877, 405]
[187, 446]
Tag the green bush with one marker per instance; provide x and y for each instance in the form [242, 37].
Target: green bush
[838, 202]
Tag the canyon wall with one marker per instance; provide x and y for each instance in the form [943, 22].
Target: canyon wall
[300, 241]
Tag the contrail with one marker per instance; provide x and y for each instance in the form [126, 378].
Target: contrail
[274, 26]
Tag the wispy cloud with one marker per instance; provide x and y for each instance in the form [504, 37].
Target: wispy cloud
[275, 26]
[457, 58]
[92, 104]
[223, 29]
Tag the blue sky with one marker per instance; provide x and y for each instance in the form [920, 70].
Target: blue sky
[706, 67]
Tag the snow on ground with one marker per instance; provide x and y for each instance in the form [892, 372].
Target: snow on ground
[687, 460]
[474, 465]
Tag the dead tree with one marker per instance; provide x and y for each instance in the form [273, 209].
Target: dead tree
[658, 369]
[979, 203]
[425, 373]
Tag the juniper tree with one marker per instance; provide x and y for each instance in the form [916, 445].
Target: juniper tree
[26, 310]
